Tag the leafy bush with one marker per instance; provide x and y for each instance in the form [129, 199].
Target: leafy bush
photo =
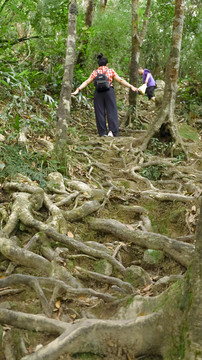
[111, 35]
[153, 172]
[157, 147]
[15, 159]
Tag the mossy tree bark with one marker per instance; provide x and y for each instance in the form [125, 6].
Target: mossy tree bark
[193, 338]
[63, 113]
[166, 112]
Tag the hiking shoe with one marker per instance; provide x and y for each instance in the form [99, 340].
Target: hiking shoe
[110, 134]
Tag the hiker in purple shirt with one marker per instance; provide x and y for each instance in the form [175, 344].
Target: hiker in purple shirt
[149, 81]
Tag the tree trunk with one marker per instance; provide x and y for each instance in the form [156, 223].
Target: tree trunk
[63, 113]
[89, 13]
[137, 39]
[194, 285]
[135, 52]
[166, 113]
[103, 4]
[89, 10]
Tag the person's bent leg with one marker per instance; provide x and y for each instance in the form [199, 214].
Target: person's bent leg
[99, 106]
[150, 92]
[112, 114]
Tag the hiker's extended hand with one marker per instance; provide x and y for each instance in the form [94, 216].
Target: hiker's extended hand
[133, 88]
[75, 92]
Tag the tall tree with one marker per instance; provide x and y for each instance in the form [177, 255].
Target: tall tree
[89, 12]
[63, 113]
[137, 40]
[103, 4]
[166, 112]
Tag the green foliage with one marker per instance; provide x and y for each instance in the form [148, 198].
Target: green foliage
[111, 35]
[153, 172]
[24, 101]
[179, 157]
[34, 165]
[130, 300]
[187, 132]
[164, 219]
[81, 99]
[18, 161]
[138, 124]
[86, 356]
[191, 42]
[190, 96]
[157, 147]
[100, 266]
[45, 23]
[155, 48]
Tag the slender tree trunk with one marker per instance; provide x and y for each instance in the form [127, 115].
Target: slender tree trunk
[137, 39]
[135, 52]
[166, 113]
[63, 113]
[89, 10]
[103, 4]
[89, 13]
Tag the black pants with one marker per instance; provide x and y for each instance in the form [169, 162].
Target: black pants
[105, 105]
[150, 91]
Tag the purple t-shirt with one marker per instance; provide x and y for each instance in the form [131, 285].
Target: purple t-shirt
[151, 81]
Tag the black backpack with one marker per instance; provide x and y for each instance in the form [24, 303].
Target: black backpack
[101, 82]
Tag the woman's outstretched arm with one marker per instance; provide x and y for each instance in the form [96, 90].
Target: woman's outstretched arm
[125, 83]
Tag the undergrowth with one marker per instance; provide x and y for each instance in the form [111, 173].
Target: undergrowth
[15, 159]
[153, 172]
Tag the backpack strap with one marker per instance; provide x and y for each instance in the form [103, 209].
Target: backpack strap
[110, 81]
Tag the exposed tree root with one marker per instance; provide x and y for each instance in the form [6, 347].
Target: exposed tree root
[181, 252]
[136, 324]
[32, 322]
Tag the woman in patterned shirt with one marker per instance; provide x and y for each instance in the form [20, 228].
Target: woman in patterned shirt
[105, 102]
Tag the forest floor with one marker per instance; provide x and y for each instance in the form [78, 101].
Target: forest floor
[115, 202]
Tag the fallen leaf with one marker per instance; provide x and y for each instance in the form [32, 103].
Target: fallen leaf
[7, 327]
[147, 288]
[58, 304]
[130, 227]
[142, 314]
[70, 234]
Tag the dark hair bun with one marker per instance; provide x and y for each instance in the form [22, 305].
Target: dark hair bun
[100, 56]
